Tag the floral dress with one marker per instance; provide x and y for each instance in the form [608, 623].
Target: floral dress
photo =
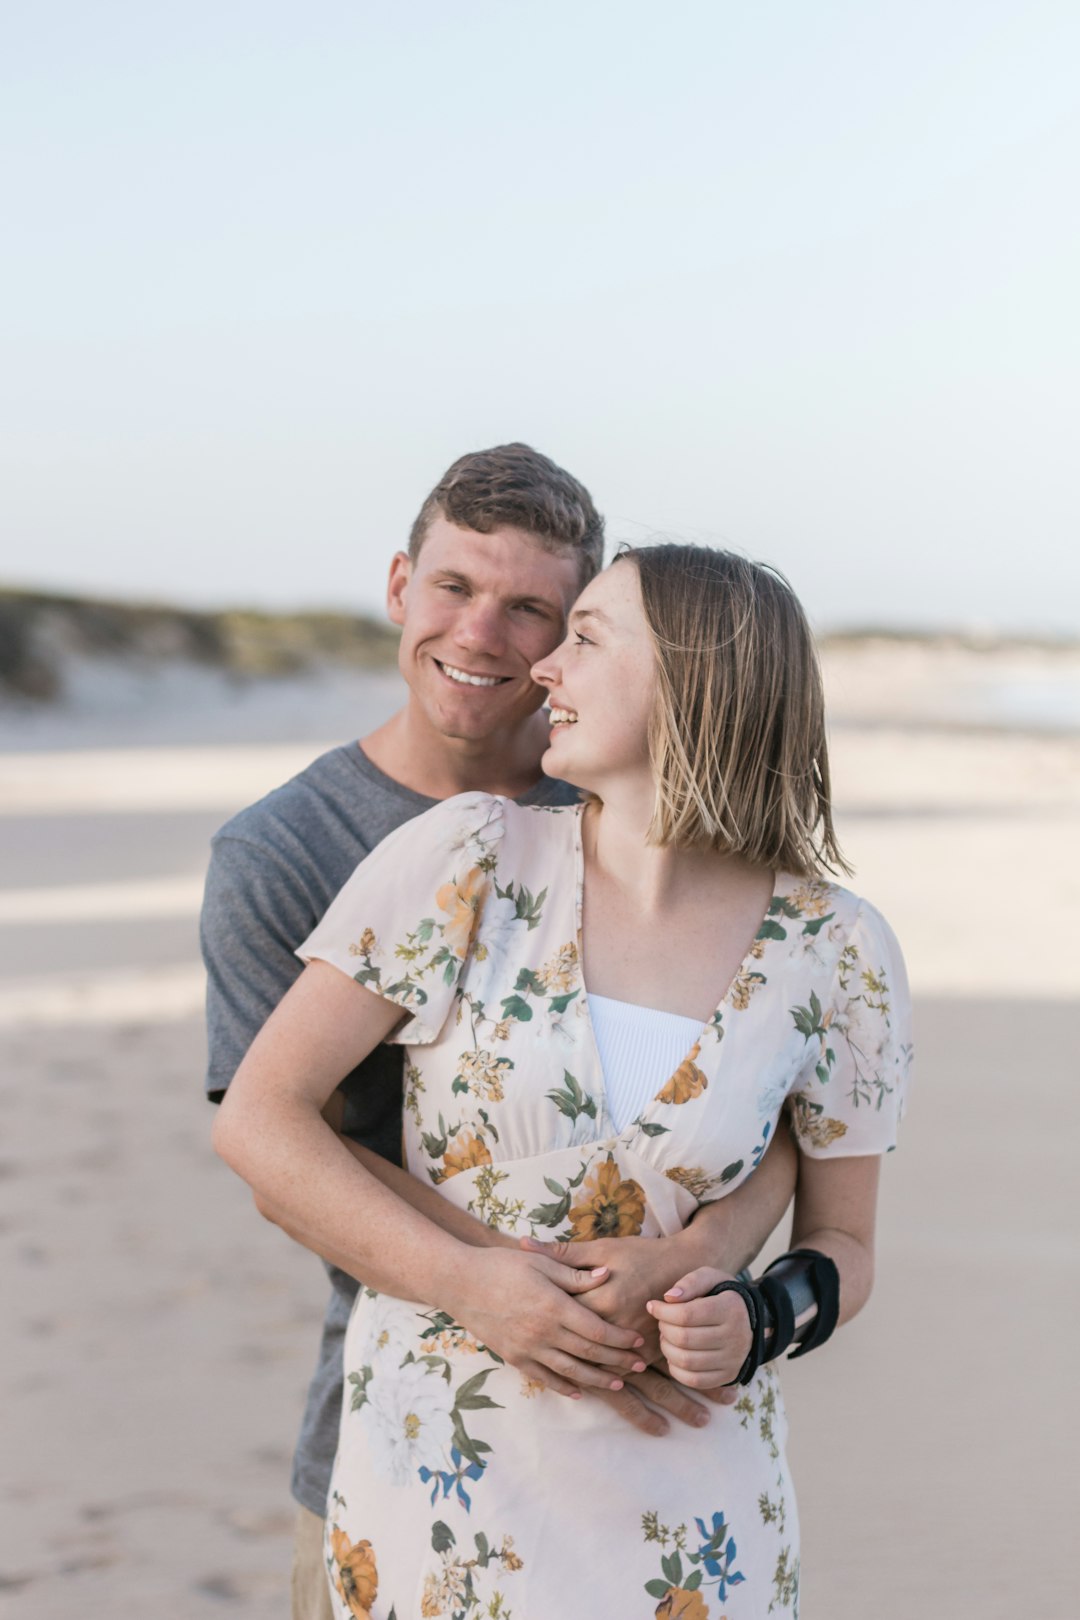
[461, 1489]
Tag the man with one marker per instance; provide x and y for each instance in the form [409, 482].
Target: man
[499, 551]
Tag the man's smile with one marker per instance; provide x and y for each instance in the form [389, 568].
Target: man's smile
[463, 677]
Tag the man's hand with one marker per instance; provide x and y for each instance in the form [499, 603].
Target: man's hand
[522, 1306]
[648, 1399]
[706, 1338]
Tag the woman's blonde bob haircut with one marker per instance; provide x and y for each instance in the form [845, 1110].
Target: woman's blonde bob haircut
[737, 734]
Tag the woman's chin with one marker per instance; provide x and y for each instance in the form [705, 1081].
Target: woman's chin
[554, 763]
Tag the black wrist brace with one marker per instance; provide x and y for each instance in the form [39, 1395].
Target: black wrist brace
[797, 1282]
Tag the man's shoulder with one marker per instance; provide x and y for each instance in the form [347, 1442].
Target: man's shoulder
[326, 788]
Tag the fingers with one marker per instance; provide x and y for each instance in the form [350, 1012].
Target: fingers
[584, 1373]
[724, 1395]
[570, 1278]
[718, 1310]
[634, 1410]
[596, 1330]
[626, 1361]
[565, 1253]
[696, 1283]
[664, 1393]
[543, 1375]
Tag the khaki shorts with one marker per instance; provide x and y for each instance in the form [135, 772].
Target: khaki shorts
[310, 1587]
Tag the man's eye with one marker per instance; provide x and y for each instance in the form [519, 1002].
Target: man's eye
[449, 586]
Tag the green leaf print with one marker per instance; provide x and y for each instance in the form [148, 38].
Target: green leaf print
[817, 924]
[781, 906]
[482, 1549]
[469, 1397]
[550, 1214]
[692, 1581]
[517, 1007]
[658, 1589]
[650, 1128]
[731, 1171]
[672, 1568]
[559, 1004]
[527, 979]
[771, 930]
[442, 1537]
[570, 1100]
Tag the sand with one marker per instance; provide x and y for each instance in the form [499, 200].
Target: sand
[158, 1335]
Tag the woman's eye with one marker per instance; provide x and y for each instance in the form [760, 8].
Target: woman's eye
[583, 641]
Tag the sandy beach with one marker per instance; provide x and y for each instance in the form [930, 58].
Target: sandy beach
[159, 1335]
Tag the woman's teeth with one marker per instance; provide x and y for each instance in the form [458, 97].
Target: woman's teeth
[563, 717]
[466, 679]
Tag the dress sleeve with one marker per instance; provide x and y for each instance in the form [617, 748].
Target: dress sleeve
[849, 1097]
[404, 923]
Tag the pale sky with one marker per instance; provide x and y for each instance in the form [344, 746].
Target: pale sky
[796, 279]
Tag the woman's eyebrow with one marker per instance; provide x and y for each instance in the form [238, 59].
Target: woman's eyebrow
[589, 613]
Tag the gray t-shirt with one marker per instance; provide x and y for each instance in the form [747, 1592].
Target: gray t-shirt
[274, 870]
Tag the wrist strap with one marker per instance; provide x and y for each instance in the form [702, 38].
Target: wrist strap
[799, 1280]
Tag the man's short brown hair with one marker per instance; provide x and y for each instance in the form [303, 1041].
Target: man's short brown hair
[515, 486]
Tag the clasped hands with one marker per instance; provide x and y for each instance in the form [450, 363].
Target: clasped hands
[603, 1317]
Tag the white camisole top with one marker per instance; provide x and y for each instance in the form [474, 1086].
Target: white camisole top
[639, 1047]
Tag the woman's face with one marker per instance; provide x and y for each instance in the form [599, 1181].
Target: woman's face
[600, 683]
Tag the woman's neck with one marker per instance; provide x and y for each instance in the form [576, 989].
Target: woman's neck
[615, 835]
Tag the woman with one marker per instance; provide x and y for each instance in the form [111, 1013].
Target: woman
[605, 1008]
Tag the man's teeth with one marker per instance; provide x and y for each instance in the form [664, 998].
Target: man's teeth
[471, 680]
[563, 717]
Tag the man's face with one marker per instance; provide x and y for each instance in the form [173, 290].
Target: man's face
[476, 612]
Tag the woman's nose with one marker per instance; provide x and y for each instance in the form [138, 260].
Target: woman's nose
[545, 672]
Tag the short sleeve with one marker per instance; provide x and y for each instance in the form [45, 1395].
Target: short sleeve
[404, 923]
[850, 1095]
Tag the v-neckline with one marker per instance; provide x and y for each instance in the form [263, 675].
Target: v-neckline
[710, 1023]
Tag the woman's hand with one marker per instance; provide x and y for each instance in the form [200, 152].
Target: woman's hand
[638, 1269]
[522, 1306]
[706, 1338]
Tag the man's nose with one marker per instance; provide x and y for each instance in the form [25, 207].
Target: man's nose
[480, 628]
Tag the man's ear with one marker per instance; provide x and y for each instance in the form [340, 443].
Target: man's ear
[397, 587]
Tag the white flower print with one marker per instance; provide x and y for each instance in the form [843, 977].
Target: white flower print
[409, 1422]
[384, 1340]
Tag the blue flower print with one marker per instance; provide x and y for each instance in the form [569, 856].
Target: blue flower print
[450, 1481]
[718, 1553]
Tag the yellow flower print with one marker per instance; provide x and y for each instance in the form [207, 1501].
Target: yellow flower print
[560, 972]
[679, 1604]
[357, 1578]
[813, 1126]
[462, 901]
[699, 1182]
[510, 1559]
[365, 944]
[468, 1152]
[742, 988]
[609, 1207]
[812, 899]
[483, 1073]
[687, 1081]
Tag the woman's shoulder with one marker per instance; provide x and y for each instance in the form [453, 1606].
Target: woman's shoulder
[832, 922]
